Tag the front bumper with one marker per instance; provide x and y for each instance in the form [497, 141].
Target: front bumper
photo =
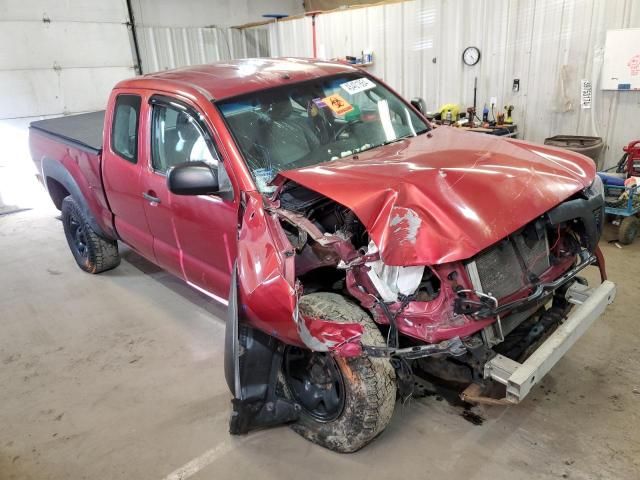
[519, 378]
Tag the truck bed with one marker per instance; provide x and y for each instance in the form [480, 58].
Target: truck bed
[67, 154]
[84, 129]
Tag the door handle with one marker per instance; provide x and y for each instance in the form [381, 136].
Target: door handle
[150, 197]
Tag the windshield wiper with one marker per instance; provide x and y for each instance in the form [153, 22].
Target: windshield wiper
[420, 132]
[389, 142]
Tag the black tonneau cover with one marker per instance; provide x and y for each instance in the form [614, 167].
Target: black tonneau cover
[84, 129]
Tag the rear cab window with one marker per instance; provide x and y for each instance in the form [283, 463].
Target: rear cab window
[124, 131]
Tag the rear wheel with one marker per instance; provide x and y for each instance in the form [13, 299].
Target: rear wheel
[346, 402]
[629, 229]
[93, 253]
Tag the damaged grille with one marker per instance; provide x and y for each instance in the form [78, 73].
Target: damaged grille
[509, 266]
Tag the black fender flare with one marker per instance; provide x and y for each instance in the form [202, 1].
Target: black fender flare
[55, 170]
[252, 360]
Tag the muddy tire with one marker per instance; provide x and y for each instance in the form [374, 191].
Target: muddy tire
[629, 229]
[92, 253]
[364, 390]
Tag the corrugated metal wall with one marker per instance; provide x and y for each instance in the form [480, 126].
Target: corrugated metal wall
[163, 48]
[291, 38]
[417, 47]
[550, 45]
[218, 13]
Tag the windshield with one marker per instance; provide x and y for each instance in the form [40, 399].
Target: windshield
[313, 122]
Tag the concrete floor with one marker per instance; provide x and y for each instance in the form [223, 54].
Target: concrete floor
[119, 375]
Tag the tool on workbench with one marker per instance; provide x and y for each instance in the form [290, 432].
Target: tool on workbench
[449, 117]
[449, 113]
[475, 98]
[509, 109]
[485, 114]
[471, 116]
[500, 119]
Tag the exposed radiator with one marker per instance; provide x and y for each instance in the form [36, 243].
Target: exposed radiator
[499, 271]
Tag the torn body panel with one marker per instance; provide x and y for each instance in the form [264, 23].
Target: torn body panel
[269, 291]
[304, 240]
[427, 321]
[432, 303]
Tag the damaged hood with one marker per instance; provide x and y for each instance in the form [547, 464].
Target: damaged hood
[429, 200]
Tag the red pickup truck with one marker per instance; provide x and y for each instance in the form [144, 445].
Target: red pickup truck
[357, 247]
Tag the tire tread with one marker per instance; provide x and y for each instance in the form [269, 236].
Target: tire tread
[628, 230]
[103, 253]
[376, 378]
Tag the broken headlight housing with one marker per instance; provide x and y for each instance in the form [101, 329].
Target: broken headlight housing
[596, 188]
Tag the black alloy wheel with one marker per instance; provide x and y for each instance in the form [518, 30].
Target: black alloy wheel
[78, 235]
[315, 382]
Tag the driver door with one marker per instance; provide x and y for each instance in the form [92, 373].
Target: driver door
[194, 237]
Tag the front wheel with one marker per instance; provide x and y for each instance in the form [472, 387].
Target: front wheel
[92, 253]
[346, 402]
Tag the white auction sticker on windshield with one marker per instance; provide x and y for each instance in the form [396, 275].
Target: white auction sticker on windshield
[358, 85]
[263, 177]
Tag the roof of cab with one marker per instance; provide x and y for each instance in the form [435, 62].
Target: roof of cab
[237, 77]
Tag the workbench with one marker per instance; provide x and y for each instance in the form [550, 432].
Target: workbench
[506, 130]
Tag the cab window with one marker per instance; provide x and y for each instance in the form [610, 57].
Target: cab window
[124, 133]
[178, 138]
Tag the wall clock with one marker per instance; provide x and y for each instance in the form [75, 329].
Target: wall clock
[471, 56]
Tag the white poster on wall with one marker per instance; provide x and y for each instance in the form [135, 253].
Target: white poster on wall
[621, 65]
[585, 93]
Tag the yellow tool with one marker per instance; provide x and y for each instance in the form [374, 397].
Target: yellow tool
[508, 119]
[452, 108]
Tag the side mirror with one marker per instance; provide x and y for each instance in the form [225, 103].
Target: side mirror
[420, 105]
[193, 178]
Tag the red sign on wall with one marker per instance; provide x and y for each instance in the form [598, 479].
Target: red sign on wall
[634, 65]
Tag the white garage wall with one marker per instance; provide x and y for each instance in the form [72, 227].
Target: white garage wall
[537, 41]
[172, 36]
[60, 57]
[56, 57]
[63, 57]
[201, 13]
[291, 38]
[163, 48]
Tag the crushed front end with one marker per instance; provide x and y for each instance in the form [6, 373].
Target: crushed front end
[504, 316]
[453, 320]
